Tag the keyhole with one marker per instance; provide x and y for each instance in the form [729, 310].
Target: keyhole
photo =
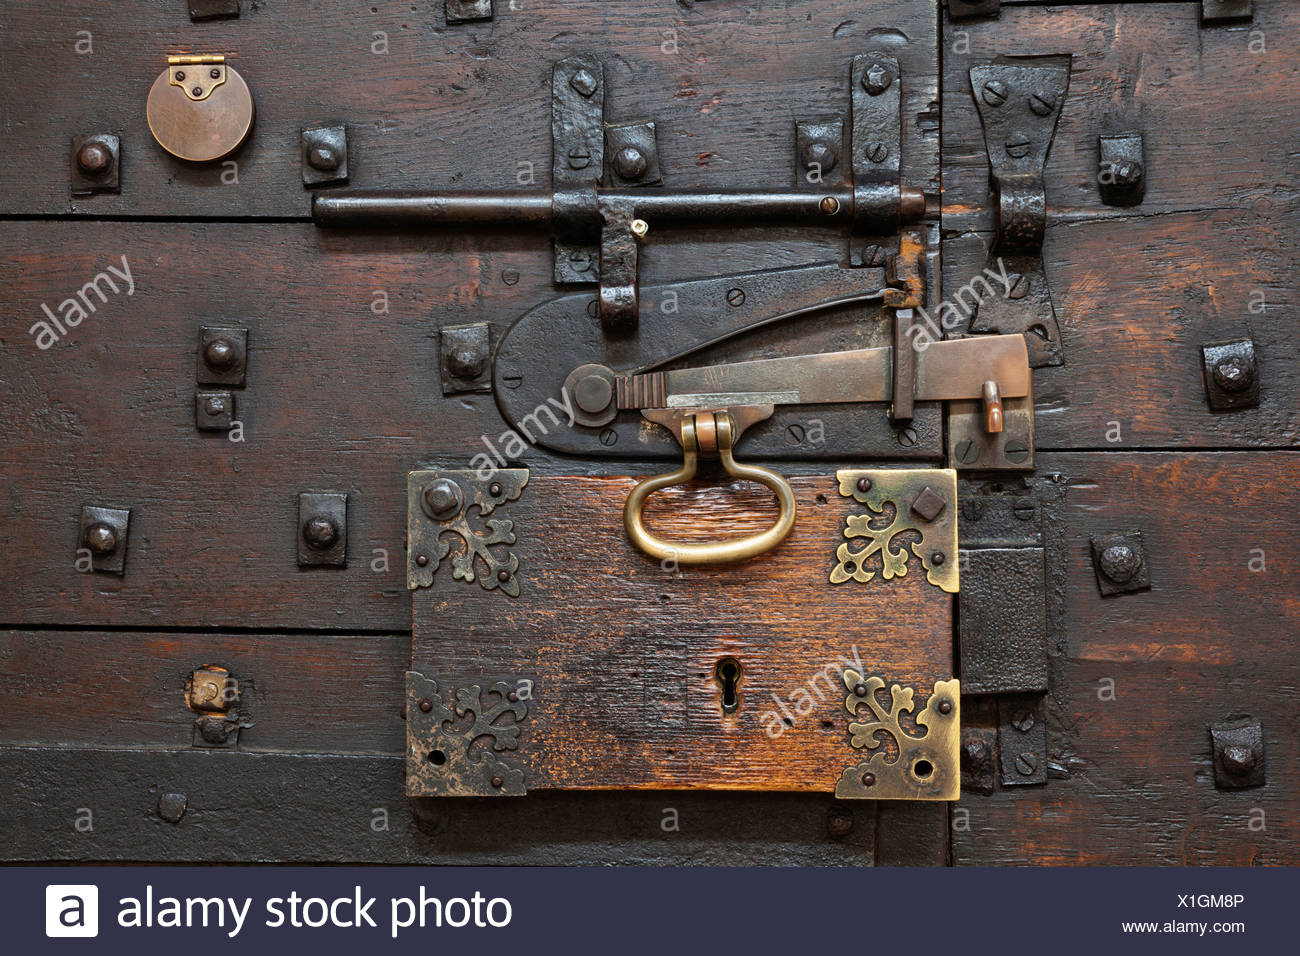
[727, 674]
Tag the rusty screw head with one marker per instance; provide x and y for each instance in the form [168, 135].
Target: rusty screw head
[579, 157]
[442, 498]
[820, 154]
[466, 362]
[101, 538]
[583, 82]
[864, 484]
[1042, 103]
[995, 93]
[1019, 287]
[1017, 145]
[1233, 374]
[630, 163]
[323, 156]
[94, 158]
[1023, 721]
[320, 532]
[1238, 760]
[839, 822]
[1120, 562]
[220, 354]
[906, 437]
[877, 152]
[1026, 764]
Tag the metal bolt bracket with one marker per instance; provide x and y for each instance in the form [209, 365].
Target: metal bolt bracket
[222, 356]
[1022, 739]
[1231, 375]
[214, 411]
[464, 355]
[1121, 169]
[467, 11]
[213, 9]
[95, 164]
[324, 155]
[1238, 753]
[1120, 563]
[1225, 11]
[104, 534]
[633, 152]
[322, 529]
[819, 150]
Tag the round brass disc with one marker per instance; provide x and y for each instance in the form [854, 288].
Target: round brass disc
[204, 131]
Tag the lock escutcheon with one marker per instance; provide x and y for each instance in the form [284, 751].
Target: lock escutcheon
[200, 109]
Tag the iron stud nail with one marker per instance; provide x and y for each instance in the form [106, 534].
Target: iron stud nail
[876, 79]
[820, 154]
[220, 354]
[583, 82]
[1120, 562]
[94, 158]
[320, 532]
[466, 363]
[101, 538]
[323, 157]
[1238, 760]
[214, 406]
[630, 163]
[1232, 374]
[995, 93]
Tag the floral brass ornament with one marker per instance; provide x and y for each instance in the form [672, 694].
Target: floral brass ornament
[908, 509]
[439, 505]
[920, 765]
[453, 744]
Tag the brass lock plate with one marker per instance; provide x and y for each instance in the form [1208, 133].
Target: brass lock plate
[200, 109]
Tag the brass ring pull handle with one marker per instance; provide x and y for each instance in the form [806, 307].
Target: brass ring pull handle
[709, 431]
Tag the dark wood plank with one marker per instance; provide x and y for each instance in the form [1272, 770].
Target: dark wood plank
[312, 809]
[445, 106]
[304, 693]
[1130, 779]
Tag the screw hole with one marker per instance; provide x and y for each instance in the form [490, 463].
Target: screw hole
[923, 768]
[437, 758]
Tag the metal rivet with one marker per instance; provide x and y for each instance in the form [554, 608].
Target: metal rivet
[494, 489]
[498, 782]
[322, 156]
[876, 79]
[421, 559]
[583, 82]
[94, 158]
[426, 705]
[503, 576]
[320, 532]
[995, 93]
[512, 696]
[467, 363]
[214, 730]
[101, 538]
[171, 806]
[864, 484]
[214, 406]
[937, 558]
[945, 707]
[1119, 562]
[868, 779]
[594, 393]
[860, 690]
[630, 163]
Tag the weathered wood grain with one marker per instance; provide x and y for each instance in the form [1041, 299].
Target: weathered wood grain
[1130, 779]
[445, 106]
[623, 650]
